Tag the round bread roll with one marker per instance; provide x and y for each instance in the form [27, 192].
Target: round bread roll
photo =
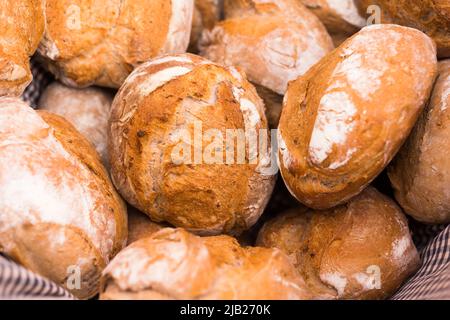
[343, 121]
[420, 174]
[190, 267]
[87, 109]
[168, 128]
[140, 226]
[22, 27]
[340, 17]
[429, 16]
[100, 42]
[272, 41]
[206, 14]
[60, 215]
[362, 250]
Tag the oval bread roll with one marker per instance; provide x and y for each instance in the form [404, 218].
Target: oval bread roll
[429, 16]
[206, 14]
[190, 267]
[22, 27]
[362, 250]
[420, 174]
[272, 41]
[344, 121]
[59, 213]
[168, 128]
[100, 42]
[87, 109]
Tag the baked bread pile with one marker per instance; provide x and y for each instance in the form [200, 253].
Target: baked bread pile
[149, 169]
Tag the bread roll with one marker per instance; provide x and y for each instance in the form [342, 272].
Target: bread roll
[100, 42]
[87, 109]
[206, 14]
[272, 41]
[344, 121]
[140, 226]
[168, 129]
[190, 267]
[22, 27]
[362, 250]
[340, 17]
[420, 174]
[60, 215]
[429, 16]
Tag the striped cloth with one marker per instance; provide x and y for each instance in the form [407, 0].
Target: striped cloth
[432, 281]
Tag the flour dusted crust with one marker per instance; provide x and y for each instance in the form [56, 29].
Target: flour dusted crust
[87, 109]
[100, 42]
[429, 16]
[190, 267]
[59, 209]
[272, 41]
[420, 174]
[340, 17]
[155, 112]
[206, 14]
[22, 27]
[344, 120]
[340, 252]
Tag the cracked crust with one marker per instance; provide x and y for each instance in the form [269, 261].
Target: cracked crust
[337, 251]
[101, 42]
[22, 27]
[429, 16]
[159, 107]
[191, 267]
[334, 138]
[69, 215]
[420, 174]
[272, 42]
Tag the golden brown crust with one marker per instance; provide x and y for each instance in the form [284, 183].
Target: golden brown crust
[343, 252]
[334, 138]
[273, 103]
[429, 16]
[163, 106]
[190, 267]
[100, 42]
[273, 42]
[87, 109]
[420, 174]
[60, 212]
[22, 27]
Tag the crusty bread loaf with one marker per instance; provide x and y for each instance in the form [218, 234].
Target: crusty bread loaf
[22, 27]
[340, 17]
[162, 157]
[100, 42]
[345, 119]
[272, 41]
[190, 267]
[420, 174]
[429, 16]
[206, 14]
[59, 213]
[140, 226]
[362, 250]
[87, 109]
